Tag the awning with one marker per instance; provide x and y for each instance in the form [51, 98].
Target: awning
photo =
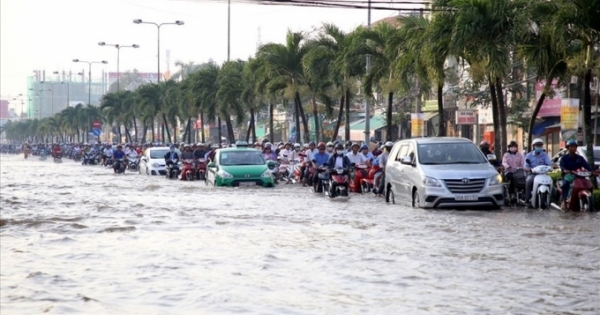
[539, 128]
[375, 123]
[430, 115]
[550, 129]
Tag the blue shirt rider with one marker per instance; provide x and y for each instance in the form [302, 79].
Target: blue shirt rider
[320, 158]
[535, 158]
[171, 156]
[119, 153]
[568, 163]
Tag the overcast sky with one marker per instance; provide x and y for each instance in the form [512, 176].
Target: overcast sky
[48, 34]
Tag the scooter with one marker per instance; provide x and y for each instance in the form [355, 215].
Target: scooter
[518, 197]
[323, 177]
[361, 171]
[58, 158]
[201, 169]
[173, 169]
[89, 159]
[338, 184]
[284, 169]
[43, 155]
[581, 192]
[119, 166]
[368, 182]
[133, 163]
[274, 169]
[187, 171]
[542, 187]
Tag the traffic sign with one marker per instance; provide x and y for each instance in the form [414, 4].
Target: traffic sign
[96, 132]
[96, 124]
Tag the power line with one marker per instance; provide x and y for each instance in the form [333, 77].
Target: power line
[391, 5]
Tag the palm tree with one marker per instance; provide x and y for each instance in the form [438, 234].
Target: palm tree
[285, 62]
[229, 94]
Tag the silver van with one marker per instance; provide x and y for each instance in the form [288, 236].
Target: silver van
[441, 172]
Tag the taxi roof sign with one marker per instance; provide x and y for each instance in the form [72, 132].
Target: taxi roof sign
[241, 144]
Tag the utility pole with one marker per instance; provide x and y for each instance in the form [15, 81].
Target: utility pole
[367, 108]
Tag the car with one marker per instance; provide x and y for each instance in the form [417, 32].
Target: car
[581, 151]
[239, 166]
[441, 172]
[152, 162]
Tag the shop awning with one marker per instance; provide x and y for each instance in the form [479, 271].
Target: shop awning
[430, 115]
[550, 129]
[375, 123]
[539, 128]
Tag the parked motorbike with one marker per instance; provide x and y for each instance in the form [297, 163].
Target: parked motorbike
[338, 184]
[173, 169]
[542, 187]
[187, 171]
[119, 166]
[284, 169]
[581, 192]
[133, 163]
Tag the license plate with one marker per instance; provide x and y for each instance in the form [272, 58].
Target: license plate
[465, 197]
[245, 184]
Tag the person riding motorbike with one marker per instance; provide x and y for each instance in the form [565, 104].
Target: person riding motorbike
[364, 150]
[171, 156]
[484, 146]
[268, 153]
[357, 158]
[330, 146]
[107, 153]
[570, 163]
[287, 154]
[118, 154]
[200, 151]
[319, 160]
[187, 153]
[534, 158]
[511, 161]
[56, 152]
[383, 158]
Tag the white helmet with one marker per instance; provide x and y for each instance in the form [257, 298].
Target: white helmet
[296, 145]
[537, 141]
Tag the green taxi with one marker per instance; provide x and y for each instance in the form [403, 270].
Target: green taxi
[239, 167]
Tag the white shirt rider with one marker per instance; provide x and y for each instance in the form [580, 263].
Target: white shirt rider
[357, 158]
[288, 155]
[132, 154]
[108, 152]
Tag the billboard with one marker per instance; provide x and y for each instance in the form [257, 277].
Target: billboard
[466, 117]
[552, 105]
[4, 109]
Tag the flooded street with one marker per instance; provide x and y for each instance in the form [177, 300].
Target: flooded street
[79, 239]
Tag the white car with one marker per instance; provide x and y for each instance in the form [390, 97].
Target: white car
[152, 161]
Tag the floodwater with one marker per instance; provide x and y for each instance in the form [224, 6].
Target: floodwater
[80, 240]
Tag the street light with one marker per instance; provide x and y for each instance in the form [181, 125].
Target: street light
[118, 53]
[90, 63]
[52, 97]
[138, 21]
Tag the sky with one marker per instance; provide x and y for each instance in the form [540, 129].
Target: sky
[49, 34]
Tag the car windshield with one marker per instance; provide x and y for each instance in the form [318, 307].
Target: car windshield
[450, 153]
[158, 154]
[245, 157]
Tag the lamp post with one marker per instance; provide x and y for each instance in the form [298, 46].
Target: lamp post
[118, 53]
[90, 63]
[52, 97]
[138, 21]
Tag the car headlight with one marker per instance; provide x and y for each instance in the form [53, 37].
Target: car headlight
[431, 182]
[267, 173]
[224, 174]
[496, 180]
[154, 164]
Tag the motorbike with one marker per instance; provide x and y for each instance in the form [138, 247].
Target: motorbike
[581, 192]
[43, 155]
[58, 157]
[173, 169]
[187, 171]
[119, 166]
[518, 197]
[360, 171]
[284, 169]
[297, 171]
[77, 156]
[133, 163]
[108, 161]
[201, 169]
[323, 182]
[338, 185]
[542, 187]
[368, 182]
[274, 169]
[89, 159]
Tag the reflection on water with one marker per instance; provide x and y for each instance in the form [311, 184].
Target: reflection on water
[79, 239]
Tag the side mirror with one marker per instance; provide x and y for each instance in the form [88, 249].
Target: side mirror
[491, 157]
[211, 164]
[407, 160]
[271, 164]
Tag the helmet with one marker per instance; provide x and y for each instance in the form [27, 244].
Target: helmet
[200, 144]
[349, 143]
[354, 144]
[512, 144]
[329, 144]
[339, 146]
[306, 145]
[364, 147]
[537, 141]
[312, 143]
[570, 143]
[296, 145]
[172, 146]
[322, 145]
[484, 143]
[186, 146]
[336, 142]
[388, 144]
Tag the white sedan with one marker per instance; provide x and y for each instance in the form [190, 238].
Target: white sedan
[152, 161]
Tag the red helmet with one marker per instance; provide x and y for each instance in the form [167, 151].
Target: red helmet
[321, 145]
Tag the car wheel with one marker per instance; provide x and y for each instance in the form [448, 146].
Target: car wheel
[416, 202]
[389, 195]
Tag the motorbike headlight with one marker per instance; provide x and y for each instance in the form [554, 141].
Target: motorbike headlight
[224, 174]
[267, 173]
[431, 182]
[154, 164]
[496, 180]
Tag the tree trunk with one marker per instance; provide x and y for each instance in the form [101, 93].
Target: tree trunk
[190, 130]
[316, 117]
[297, 120]
[166, 128]
[174, 132]
[135, 129]
[253, 122]
[78, 138]
[304, 121]
[230, 134]
[388, 117]
[271, 136]
[347, 120]
[503, 120]
[536, 111]
[219, 130]
[496, 119]
[442, 119]
[202, 127]
[185, 132]
[587, 117]
[127, 135]
[339, 119]
[153, 130]
[249, 128]
[118, 134]
[144, 133]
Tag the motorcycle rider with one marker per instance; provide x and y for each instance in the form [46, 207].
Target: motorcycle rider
[338, 160]
[56, 152]
[383, 158]
[118, 154]
[187, 153]
[330, 146]
[131, 155]
[171, 156]
[512, 160]
[268, 153]
[484, 146]
[568, 164]
[534, 158]
[107, 153]
[357, 158]
[364, 150]
[200, 151]
[319, 159]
